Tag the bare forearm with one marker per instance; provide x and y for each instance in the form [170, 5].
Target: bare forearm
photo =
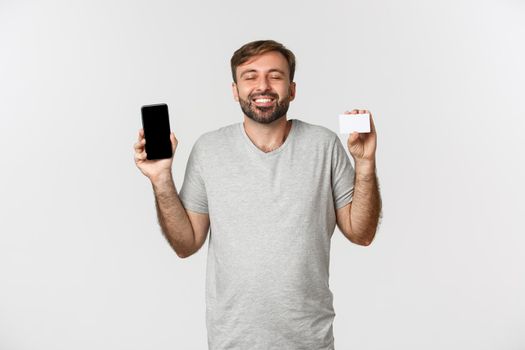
[172, 216]
[366, 202]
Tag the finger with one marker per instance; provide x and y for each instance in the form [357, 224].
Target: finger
[139, 145]
[140, 156]
[352, 139]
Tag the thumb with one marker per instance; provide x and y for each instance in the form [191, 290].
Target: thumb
[174, 142]
[353, 138]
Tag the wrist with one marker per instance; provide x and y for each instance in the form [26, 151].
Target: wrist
[161, 178]
[365, 166]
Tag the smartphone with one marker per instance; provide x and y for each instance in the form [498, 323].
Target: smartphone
[156, 125]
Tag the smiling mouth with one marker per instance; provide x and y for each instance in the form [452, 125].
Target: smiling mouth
[264, 101]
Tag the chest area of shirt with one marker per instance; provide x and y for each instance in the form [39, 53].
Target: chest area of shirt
[266, 178]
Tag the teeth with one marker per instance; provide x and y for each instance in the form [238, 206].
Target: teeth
[263, 100]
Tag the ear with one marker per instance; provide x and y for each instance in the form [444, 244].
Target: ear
[235, 92]
[292, 91]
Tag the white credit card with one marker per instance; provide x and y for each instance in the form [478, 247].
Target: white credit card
[348, 123]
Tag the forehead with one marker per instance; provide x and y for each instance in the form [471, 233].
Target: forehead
[265, 61]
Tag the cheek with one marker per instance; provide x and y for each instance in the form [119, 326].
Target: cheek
[284, 93]
[244, 92]
[283, 89]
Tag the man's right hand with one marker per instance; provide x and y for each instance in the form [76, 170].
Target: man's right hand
[153, 169]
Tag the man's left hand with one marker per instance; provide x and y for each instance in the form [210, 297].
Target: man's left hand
[362, 146]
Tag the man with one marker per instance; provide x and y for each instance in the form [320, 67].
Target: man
[271, 191]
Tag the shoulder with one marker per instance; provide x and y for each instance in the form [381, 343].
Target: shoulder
[214, 139]
[319, 133]
[212, 134]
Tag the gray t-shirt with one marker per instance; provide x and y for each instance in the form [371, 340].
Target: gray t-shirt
[272, 216]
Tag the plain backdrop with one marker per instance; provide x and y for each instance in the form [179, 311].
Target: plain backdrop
[83, 264]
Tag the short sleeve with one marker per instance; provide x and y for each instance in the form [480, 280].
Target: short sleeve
[193, 192]
[342, 175]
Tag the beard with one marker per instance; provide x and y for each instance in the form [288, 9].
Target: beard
[265, 115]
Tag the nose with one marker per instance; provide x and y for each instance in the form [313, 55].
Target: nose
[263, 84]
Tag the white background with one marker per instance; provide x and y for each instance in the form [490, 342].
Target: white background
[83, 264]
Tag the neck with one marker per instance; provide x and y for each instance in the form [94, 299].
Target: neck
[267, 137]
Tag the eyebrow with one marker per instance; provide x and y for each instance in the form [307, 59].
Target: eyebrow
[270, 71]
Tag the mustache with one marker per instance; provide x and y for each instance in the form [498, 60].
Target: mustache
[273, 95]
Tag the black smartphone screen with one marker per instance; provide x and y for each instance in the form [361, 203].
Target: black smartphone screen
[156, 125]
